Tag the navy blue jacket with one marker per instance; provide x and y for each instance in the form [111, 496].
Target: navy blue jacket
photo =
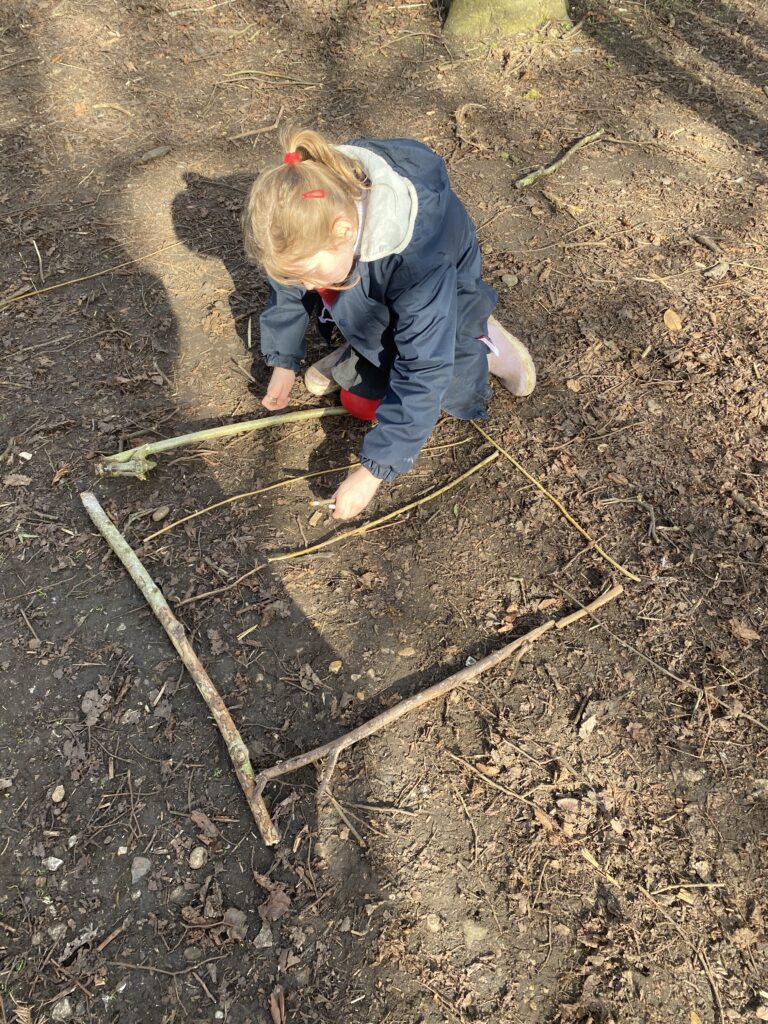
[417, 312]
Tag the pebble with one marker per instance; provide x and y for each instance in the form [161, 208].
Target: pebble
[160, 513]
[407, 652]
[335, 667]
[62, 1010]
[192, 953]
[140, 866]
[52, 863]
[198, 857]
[58, 794]
[434, 923]
[510, 280]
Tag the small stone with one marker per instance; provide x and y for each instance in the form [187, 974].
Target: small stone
[52, 863]
[58, 794]
[407, 652]
[510, 280]
[434, 923]
[57, 932]
[198, 857]
[473, 932]
[160, 513]
[62, 1010]
[191, 954]
[264, 939]
[121, 851]
[335, 667]
[140, 866]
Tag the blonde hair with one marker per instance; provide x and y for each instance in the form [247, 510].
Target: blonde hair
[282, 228]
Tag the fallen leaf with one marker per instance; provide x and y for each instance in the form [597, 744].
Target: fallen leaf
[573, 385]
[277, 1005]
[695, 1018]
[587, 727]
[16, 480]
[64, 470]
[672, 320]
[275, 905]
[742, 631]
[204, 823]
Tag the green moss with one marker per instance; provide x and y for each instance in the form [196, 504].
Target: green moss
[483, 19]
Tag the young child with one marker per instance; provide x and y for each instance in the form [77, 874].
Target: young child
[374, 230]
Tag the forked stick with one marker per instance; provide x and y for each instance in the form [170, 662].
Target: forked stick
[330, 751]
[238, 752]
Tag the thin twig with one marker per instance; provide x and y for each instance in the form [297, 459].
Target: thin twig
[359, 530]
[248, 494]
[547, 169]
[281, 483]
[558, 505]
[257, 131]
[696, 950]
[238, 751]
[34, 292]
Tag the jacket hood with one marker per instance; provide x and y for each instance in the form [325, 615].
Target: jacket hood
[392, 206]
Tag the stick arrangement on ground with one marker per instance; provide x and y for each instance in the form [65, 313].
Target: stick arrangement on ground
[329, 752]
[238, 752]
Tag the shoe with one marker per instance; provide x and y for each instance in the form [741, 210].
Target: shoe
[510, 360]
[318, 379]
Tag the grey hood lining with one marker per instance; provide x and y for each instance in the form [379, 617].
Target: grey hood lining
[392, 206]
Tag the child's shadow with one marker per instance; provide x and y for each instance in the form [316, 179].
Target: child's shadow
[207, 219]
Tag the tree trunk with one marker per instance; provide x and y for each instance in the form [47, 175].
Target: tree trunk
[484, 19]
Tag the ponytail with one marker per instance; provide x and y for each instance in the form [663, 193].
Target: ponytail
[291, 209]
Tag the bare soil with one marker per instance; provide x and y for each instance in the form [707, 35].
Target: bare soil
[630, 884]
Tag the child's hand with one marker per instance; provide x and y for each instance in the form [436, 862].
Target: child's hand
[355, 493]
[279, 390]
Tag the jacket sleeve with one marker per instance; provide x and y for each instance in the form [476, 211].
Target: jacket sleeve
[425, 339]
[283, 325]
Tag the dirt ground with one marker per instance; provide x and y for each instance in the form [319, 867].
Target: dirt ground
[579, 837]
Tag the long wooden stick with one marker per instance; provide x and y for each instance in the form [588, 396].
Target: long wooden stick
[238, 752]
[330, 751]
[547, 169]
[134, 461]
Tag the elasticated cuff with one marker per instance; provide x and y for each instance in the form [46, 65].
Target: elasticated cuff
[283, 362]
[385, 473]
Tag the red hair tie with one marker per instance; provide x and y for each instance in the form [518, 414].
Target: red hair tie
[314, 193]
[292, 158]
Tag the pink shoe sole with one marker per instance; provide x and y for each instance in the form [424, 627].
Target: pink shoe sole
[510, 360]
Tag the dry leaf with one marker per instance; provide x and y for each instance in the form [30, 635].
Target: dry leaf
[742, 631]
[204, 823]
[587, 727]
[543, 819]
[695, 1018]
[16, 480]
[573, 385]
[275, 905]
[64, 470]
[672, 320]
[277, 1005]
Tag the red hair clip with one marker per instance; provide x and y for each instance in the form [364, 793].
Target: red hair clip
[292, 158]
[314, 193]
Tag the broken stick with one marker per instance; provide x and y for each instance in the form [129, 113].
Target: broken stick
[238, 752]
[330, 751]
[547, 169]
